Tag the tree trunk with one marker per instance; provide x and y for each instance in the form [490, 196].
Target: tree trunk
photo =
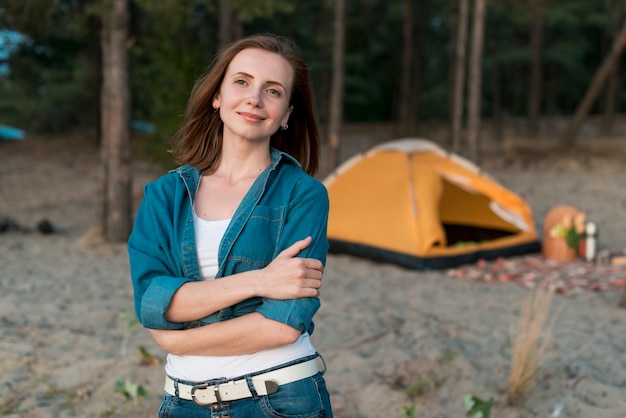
[323, 88]
[569, 136]
[613, 87]
[459, 76]
[454, 26]
[225, 28]
[336, 94]
[407, 69]
[230, 25]
[475, 82]
[536, 41]
[496, 99]
[115, 129]
[407, 73]
[420, 30]
[612, 90]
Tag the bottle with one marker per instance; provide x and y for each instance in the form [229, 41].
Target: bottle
[591, 245]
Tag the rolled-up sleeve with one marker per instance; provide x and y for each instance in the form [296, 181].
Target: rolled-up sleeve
[151, 263]
[307, 216]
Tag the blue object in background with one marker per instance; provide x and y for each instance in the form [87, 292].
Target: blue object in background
[11, 133]
[9, 42]
[143, 127]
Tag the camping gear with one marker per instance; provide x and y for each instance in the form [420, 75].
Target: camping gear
[411, 203]
[591, 241]
[562, 224]
[11, 133]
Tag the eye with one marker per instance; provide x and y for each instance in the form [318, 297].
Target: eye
[240, 81]
[273, 92]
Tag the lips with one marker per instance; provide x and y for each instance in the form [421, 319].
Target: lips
[251, 117]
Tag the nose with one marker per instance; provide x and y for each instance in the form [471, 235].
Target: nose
[254, 98]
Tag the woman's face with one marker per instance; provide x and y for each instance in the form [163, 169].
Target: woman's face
[254, 96]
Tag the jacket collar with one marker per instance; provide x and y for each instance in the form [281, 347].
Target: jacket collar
[191, 175]
[277, 156]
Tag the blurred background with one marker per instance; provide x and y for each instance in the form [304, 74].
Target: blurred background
[471, 75]
[91, 92]
[399, 58]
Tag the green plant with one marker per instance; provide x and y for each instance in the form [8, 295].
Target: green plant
[424, 383]
[10, 405]
[448, 356]
[130, 323]
[106, 412]
[476, 407]
[131, 391]
[147, 358]
[408, 411]
[571, 229]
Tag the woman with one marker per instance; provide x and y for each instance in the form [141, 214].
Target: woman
[227, 252]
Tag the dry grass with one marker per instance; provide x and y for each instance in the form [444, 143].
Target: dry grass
[530, 343]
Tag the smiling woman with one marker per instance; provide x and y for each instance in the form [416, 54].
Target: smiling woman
[228, 251]
[253, 100]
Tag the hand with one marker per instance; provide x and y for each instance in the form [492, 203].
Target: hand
[291, 277]
[165, 339]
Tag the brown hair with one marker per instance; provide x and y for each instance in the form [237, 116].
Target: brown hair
[199, 140]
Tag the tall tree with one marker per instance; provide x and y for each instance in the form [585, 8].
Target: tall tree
[407, 69]
[496, 93]
[536, 41]
[115, 123]
[459, 75]
[323, 85]
[336, 94]
[610, 105]
[225, 24]
[570, 134]
[475, 81]
[230, 23]
[613, 84]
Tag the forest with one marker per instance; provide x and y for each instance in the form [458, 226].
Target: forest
[399, 58]
[462, 73]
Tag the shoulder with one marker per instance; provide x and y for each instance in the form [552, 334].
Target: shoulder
[173, 178]
[293, 174]
[170, 184]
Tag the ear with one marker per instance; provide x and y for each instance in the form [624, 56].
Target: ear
[285, 119]
[216, 102]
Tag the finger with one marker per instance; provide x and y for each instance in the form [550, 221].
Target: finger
[295, 248]
[313, 283]
[313, 264]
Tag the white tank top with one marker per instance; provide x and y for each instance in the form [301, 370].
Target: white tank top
[201, 368]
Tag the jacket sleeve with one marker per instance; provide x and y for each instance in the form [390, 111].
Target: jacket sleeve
[153, 269]
[307, 216]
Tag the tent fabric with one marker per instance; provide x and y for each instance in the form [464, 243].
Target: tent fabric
[410, 202]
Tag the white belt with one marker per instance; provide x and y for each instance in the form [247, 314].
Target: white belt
[264, 384]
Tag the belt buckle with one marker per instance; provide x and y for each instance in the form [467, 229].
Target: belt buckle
[203, 386]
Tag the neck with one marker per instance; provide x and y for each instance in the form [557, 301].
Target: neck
[239, 162]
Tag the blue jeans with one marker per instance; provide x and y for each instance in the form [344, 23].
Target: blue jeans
[305, 398]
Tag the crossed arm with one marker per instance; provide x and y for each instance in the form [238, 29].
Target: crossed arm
[286, 277]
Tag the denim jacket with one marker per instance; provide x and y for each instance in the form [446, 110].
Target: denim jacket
[283, 205]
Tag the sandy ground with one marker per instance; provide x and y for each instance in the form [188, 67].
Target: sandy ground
[392, 338]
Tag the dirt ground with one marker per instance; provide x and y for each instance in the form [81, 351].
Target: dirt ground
[65, 347]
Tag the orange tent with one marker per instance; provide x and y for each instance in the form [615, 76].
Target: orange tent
[412, 203]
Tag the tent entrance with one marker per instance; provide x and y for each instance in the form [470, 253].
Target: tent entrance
[460, 235]
[467, 218]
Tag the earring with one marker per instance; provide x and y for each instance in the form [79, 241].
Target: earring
[284, 128]
[216, 109]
